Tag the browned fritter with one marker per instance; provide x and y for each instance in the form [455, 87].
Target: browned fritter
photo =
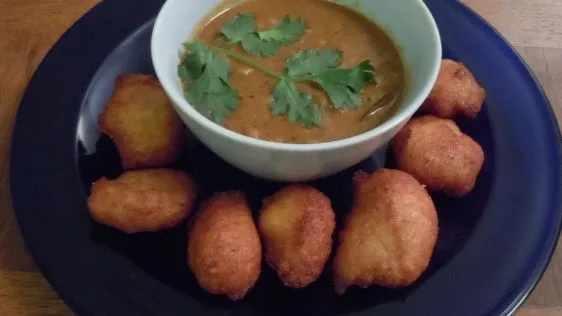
[390, 234]
[456, 93]
[143, 200]
[439, 155]
[142, 123]
[224, 249]
[296, 225]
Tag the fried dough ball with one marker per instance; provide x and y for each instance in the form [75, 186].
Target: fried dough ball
[296, 225]
[142, 123]
[439, 155]
[390, 234]
[224, 249]
[456, 93]
[143, 200]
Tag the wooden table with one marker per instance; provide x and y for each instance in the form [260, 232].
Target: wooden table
[28, 28]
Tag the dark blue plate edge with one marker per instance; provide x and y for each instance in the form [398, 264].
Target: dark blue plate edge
[527, 288]
[87, 20]
[518, 296]
[39, 262]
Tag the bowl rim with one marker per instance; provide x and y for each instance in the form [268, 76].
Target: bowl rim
[180, 102]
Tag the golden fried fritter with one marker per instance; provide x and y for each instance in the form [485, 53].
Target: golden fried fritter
[390, 234]
[296, 225]
[143, 200]
[224, 248]
[143, 124]
[456, 93]
[439, 155]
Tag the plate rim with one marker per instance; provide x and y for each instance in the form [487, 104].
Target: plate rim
[541, 268]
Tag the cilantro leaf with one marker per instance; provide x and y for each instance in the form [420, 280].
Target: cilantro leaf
[243, 29]
[199, 54]
[287, 31]
[256, 46]
[184, 75]
[241, 26]
[217, 102]
[312, 62]
[344, 86]
[205, 75]
[201, 58]
[299, 106]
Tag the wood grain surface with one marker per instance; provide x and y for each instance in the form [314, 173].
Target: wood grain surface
[28, 28]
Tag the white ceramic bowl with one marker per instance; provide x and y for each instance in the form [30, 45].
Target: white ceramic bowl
[409, 23]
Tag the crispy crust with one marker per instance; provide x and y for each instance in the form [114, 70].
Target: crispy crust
[456, 93]
[296, 225]
[143, 200]
[224, 249]
[390, 234]
[141, 121]
[439, 155]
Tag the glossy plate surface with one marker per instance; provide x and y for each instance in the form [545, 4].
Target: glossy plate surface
[493, 246]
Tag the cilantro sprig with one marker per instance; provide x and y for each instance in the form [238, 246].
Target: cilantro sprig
[297, 105]
[243, 29]
[286, 32]
[343, 85]
[205, 75]
[205, 72]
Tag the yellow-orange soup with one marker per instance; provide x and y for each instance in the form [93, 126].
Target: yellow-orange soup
[330, 26]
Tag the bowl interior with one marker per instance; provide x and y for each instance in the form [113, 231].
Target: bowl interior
[408, 22]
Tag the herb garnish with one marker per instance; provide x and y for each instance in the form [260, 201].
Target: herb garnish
[205, 75]
[298, 105]
[205, 72]
[243, 29]
[343, 85]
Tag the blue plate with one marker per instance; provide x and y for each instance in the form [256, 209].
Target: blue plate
[493, 245]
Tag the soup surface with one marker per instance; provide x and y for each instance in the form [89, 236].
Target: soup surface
[328, 26]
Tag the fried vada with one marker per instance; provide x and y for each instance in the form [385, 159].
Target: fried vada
[389, 236]
[439, 155]
[143, 200]
[140, 120]
[296, 226]
[456, 93]
[224, 249]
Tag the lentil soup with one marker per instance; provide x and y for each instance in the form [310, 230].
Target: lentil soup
[328, 26]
